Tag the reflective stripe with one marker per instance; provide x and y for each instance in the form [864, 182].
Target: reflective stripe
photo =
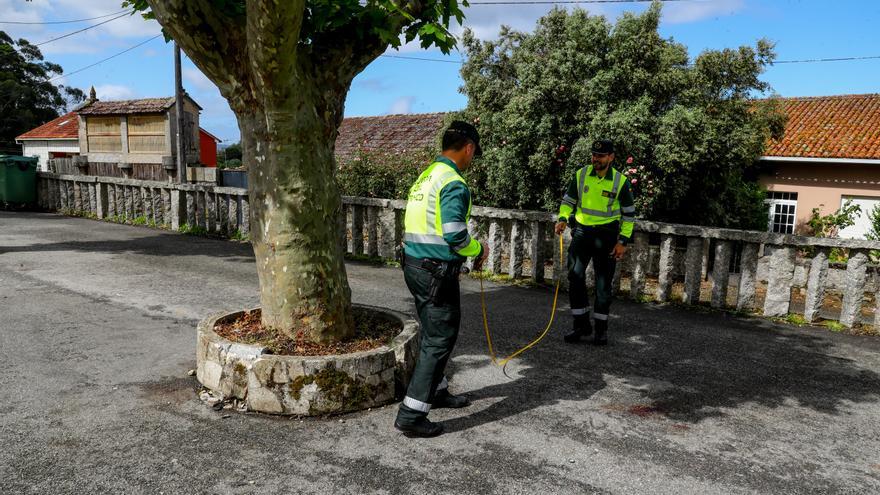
[444, 384]
[628, 209]
[569, 200]
[431, 210]
[605, 214]
[600, 316]
[465, 244]
[582, 184]
[416, 404]
[453, 227]
[628, 219]
[425, 238]
[616, 187]
[579, 312]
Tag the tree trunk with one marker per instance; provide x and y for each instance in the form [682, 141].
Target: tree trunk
[295, 204]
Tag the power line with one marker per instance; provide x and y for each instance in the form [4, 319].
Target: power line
[81, 30]
[65, 22]
[572, 2]
[424, 59]
[814, 60]
[104, 60]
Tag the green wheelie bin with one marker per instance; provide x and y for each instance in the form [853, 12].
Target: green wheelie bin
[18, 179]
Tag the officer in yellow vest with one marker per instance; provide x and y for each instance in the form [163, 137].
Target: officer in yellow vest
[437, 242]
[599, 209]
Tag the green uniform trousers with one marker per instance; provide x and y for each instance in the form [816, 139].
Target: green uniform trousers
[439, 331]
[596, 244]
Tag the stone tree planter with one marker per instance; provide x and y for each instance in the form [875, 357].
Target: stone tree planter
[306, 385]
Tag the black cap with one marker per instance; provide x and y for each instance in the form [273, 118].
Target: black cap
[603, 147]
[469, 131]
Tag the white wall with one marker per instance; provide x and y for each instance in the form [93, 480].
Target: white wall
[41, 149]
[863, 221]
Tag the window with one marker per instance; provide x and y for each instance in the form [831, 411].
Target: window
[103, 134]
[782, 212]
[146, 134]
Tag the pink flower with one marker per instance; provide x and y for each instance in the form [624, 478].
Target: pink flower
[632, 170]
[634, 181]
[629, 161]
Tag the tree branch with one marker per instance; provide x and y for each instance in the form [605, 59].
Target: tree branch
[215, 41]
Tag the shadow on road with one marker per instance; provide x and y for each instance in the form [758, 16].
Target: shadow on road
[687, 365]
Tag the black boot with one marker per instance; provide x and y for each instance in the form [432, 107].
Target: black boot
[422, 428]
[444, 399]
[580, 328]
[601, 336]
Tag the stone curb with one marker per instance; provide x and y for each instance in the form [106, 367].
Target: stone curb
[306, 385]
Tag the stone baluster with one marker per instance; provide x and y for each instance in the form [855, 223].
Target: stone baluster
[223, 214]
[178, 208]
[854, 288]
[356, 227]
[233, 222]
[387, 227]
[474, 230]
[639, 257]
[102, 200]
[496, 245]
[148, 203]
[210, 211]
[816, 283]
[748, 277]
[93, 199]
[693, 270]
[202, 209]
[781, 276]
[537, 251]
[191, 206]
[666, 266]
[721, 273]
[77, 196]
[372, 247]
[245, 215]
[166, 206]
[517, 249]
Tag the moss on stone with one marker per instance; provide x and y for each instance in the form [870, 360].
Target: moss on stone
[337, 386]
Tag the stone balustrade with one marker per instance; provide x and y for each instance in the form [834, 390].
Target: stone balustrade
[666, 262]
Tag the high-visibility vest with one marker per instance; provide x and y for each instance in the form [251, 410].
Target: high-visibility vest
[424, 226]
[597, 202]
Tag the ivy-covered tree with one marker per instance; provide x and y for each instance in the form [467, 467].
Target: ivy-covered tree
[687, 132]
[27, 96]
[285, 68]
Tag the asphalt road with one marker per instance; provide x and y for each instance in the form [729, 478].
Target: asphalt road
[97, 333]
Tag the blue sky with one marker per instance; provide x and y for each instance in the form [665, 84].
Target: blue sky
[802, 29]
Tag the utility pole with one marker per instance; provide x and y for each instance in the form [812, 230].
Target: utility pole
[178, 109]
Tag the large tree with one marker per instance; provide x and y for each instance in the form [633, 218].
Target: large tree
[285, 68]
[28, 98]
[693, 128]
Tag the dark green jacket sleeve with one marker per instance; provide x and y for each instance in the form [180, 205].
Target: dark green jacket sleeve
[455, 199]
[628, 212]
[569, 201]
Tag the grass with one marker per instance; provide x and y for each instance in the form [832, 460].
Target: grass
[501, 278]
[376, 260]
[835, 326]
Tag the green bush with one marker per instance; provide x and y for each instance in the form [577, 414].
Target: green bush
[374, 174]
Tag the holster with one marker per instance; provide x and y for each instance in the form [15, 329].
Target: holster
[442, 272]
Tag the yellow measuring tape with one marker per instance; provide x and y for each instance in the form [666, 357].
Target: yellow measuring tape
[503, 362]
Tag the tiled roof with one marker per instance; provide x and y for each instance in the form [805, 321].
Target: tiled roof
[64, 127]
[125, 107]
[846, 126]
[392, 133]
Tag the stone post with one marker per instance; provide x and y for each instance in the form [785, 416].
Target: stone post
[517, 249]
[178, 208]
[745, 298]
[356, 243]
[854, 288]
[245, 215]
[496, 244]
[693, 270]
[101, 200]
[816, 282]
[386, 226]
[781, 276]
[664, 274]
[537, 251]
[639, 256]
[233, 214]
[721, 273]
[372, 247]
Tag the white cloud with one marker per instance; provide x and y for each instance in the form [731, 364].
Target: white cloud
[109, 92]
[684, 12]
[195, 77]
[403, 104]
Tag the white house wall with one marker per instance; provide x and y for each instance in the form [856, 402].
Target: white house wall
[42, 148]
